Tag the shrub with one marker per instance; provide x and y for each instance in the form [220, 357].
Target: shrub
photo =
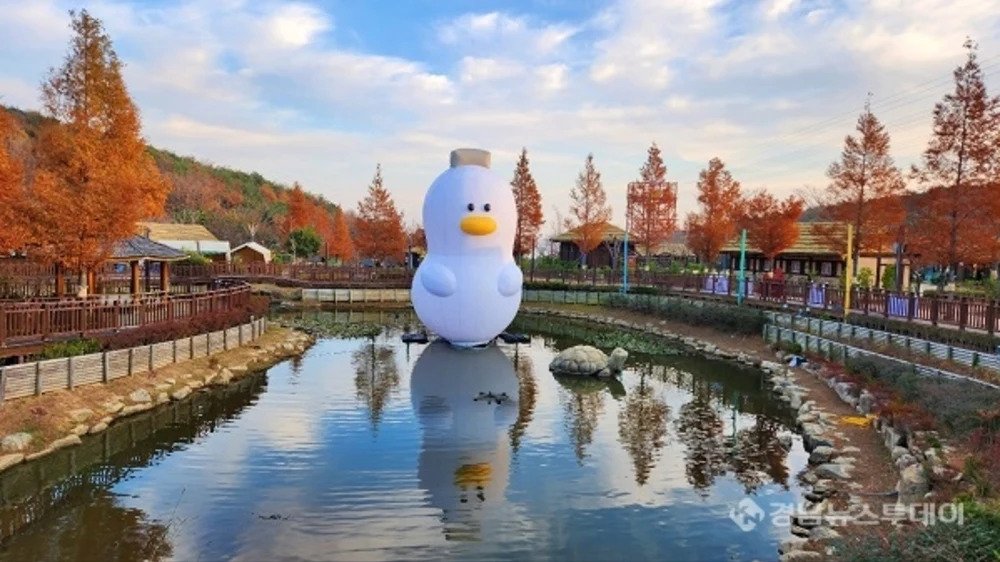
[166, 331]
[865, 278]
[70, 348]
[788, 347]
[953, 404]
[726, 318]
[977, 537]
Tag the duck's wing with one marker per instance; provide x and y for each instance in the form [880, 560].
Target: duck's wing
[438, 279]
[510, 280]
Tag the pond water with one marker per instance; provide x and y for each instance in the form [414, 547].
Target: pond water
[374, 450]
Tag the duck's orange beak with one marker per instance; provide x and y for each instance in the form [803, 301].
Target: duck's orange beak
[478, 225]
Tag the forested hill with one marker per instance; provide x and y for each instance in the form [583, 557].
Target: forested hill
[233, 204]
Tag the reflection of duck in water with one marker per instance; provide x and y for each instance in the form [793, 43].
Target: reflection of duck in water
[466, 401]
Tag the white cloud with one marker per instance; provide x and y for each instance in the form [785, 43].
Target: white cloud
[297, 24]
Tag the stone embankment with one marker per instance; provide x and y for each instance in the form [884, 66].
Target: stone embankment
[835, 493]
[61, 419]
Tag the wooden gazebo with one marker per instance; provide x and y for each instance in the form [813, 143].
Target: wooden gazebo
[139, 250]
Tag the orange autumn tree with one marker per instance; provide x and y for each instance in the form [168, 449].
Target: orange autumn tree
[299, 209]
[772, 226]
[715, 224]
[379, 230]
[957, 220]
[528, 201]
[94, 179]
[652, 204]
[865, 191]
[341, 245]
[14, 233]
[589, 211]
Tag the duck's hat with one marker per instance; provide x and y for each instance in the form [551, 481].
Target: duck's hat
[470, 157]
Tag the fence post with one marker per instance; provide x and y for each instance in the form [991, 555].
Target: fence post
[3, 384]
[911, 305]
[104, 366]
[174, 350]
[191, 347]
[963, 313]
[3, 324]
[69, 372]
[991, 317]
[253, 329]
[150, 357]
[887, 299]
[935, 310]
[225, 339]
[38, 378]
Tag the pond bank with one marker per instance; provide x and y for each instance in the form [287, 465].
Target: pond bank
[36, 426]
[849, 466]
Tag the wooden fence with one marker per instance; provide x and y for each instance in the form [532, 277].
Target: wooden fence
[28, 322]
[951, 311]
[34, 379]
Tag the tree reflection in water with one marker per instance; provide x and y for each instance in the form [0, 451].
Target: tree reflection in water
[583, 407]
[758, 456]
[642, 426]
[527, 395]
[375, 377]
[92, 526]
[700, 429]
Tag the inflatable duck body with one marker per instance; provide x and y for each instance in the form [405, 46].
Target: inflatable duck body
[468, 288]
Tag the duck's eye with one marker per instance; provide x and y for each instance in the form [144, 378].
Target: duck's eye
[470, 207]
[486, 207]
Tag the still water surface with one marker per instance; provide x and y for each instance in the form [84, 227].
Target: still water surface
[372, 450]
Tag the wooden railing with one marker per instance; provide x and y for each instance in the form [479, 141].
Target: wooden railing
[950, 311]
[29, 322]
[299, 275]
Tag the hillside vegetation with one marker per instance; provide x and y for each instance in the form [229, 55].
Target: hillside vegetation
[235, 205]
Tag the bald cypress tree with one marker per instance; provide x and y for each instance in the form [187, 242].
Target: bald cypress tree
[95, 179]
[529, 207]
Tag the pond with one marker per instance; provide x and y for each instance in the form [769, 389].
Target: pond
[369, 449]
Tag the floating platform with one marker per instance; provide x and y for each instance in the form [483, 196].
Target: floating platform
[417, 337]
[508, 337]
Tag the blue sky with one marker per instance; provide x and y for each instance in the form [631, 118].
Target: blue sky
[320, 92]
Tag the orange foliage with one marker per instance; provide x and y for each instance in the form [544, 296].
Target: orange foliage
[298, 209]
[959, 212]
[341, 245]
[95, 179]
[715, 225]
[379, 229]
[772, 225]
[529, 207]
[865, 191]
[652, 204]
[589, 212]
[195, 195]
[12, 189]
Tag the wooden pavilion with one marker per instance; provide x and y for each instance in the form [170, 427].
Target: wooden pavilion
[140, 252]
